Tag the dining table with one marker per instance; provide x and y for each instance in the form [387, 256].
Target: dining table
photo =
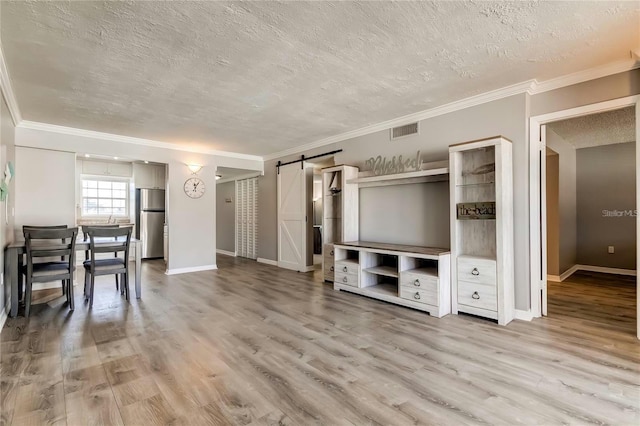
[15, 251]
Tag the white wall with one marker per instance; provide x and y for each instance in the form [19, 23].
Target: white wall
[192, 233]
[45, 188]
[7, 153]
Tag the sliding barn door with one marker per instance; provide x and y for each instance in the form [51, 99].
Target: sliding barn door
[293, 184]
[247, 218]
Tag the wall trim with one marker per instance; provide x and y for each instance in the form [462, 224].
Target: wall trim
[531, 87]
[226, 253]
[585, 75]
[191, 269]
[7, 90]
[523, 315]
[267, 261]
[240, 177]
[606, 270]
[33, 125]
[536, 249]
[471, 101]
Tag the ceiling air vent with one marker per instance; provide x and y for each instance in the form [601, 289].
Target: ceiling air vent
[402, 131]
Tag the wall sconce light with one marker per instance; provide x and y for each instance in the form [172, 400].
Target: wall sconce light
[218, 177]
[195, 168]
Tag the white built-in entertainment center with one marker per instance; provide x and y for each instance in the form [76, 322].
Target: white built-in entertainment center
[475, 276]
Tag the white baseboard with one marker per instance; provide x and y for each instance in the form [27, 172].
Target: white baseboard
[604, 269]
[226, 253]
[309, 268]
[267, 261]
[563, 276]
[566, 274]
[523, 315]
[192, 269]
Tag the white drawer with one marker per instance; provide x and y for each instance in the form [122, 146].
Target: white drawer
[345, 267]
[346, 279]
[419, 281]
[477, 270]
[328, 251]
[478, 295]
[420, 296]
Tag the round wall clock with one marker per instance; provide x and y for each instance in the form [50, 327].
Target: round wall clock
[194, 187]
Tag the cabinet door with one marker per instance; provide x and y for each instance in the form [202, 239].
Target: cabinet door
[143, 176]
[94, 168]
[119, 169]
[159, 177]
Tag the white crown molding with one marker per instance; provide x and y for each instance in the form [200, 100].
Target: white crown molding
[240, 177]
[7, 91]
[189, 270]
[584, 75]
[33, 125]
[531, 87]
[482, 98]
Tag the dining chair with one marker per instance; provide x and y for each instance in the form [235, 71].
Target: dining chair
[86, 238]
[100, 242]
[62, 259]
[46, 243]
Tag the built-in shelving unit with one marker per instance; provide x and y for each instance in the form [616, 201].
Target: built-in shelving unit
[416, 277]
[340, 210]
[482, 229]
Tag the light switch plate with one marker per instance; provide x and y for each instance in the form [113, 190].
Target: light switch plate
[611, 249]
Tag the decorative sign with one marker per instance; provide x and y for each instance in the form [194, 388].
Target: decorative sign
[397, 164]
[485, 210]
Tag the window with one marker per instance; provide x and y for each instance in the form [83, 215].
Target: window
[105, 198]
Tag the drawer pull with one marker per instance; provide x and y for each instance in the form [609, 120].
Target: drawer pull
[331, 253]
[344, 269]
[331, 269]
[416, 296]
[475, 271]
[475, 295]
[416, 283]
[345, 279]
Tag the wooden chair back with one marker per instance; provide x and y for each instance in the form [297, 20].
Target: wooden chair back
[50, 242]
[121, 241]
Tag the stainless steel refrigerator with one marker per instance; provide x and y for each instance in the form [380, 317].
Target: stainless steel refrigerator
[150, 221]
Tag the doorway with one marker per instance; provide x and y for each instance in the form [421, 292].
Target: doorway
[580, 248]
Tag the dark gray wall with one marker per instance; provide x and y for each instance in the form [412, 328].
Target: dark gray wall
[226, 216]
[606, 182]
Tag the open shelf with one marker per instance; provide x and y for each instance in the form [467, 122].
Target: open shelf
[440, 174]
[388, 271]
[351, 261]
[387, 289]
[430, 271]
[475, 184]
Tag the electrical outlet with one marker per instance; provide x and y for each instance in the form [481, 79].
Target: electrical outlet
[611, 249]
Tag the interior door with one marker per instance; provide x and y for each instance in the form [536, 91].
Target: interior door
[292, 217]
[543, 218]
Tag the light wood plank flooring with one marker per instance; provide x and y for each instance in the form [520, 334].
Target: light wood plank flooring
[254, 344]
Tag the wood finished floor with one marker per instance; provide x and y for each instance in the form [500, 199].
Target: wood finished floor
[253, 344]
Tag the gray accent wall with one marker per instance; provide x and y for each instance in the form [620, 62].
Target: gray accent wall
[426, 225]
[606, 189]
[226, 216]
[567, 213]
[7, 153]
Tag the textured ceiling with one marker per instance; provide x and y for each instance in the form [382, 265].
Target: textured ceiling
[606, 128]
[261, 77]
